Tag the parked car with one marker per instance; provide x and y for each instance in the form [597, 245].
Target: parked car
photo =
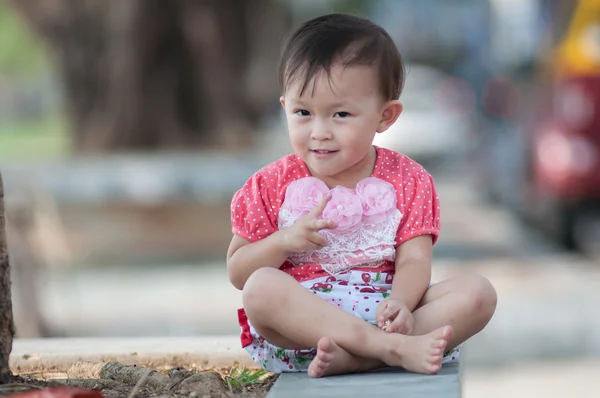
[436, 122]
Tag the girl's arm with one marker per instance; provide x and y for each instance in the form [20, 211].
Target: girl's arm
[244, 257]
[413, 270]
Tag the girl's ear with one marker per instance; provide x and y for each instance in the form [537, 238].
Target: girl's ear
[390, 113]
[282, 101]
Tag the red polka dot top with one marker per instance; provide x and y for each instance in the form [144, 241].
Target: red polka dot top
[264, 205]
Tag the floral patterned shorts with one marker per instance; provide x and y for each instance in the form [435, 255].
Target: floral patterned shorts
[357, 292]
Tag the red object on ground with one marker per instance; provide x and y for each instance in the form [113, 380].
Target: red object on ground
[61, 392]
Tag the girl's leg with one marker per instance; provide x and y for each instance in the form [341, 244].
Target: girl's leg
[290, 316]
[466, 303]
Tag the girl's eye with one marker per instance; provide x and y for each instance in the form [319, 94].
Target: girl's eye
[302, 112]
[342, 114]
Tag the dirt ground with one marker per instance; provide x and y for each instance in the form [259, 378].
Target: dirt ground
[115, 380]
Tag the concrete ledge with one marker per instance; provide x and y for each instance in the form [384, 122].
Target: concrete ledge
[389, 382]
[57, 355]
[209, 177]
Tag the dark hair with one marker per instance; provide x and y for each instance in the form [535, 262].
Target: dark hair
[321, 41]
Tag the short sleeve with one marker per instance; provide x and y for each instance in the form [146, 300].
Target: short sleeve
[253, 210]
[420, 208]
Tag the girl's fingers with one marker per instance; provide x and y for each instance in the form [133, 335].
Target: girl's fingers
[317, 240]
[316, 212]
[379, 313]
[389, 313]
[397, 324]
[318, 225]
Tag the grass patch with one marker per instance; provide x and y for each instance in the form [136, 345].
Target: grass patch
[242, 377]
[235, 375]
[38, 139]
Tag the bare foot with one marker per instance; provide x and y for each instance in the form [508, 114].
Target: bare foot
[419, 354]
[331, 359]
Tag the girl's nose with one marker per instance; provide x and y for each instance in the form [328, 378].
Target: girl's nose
[320, 132]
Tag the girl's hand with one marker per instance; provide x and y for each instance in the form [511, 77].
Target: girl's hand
[303, 235]
[401, 318]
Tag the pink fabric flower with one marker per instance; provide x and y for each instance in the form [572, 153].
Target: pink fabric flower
[378, 199]
[304, 194]
[344, 208]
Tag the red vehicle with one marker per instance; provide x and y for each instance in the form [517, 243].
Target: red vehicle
[565, 142]
[550, 173]
[565, 163]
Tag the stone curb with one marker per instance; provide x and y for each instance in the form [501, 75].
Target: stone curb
[58, 355]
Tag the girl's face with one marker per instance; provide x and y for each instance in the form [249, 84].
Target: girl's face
[333, 123]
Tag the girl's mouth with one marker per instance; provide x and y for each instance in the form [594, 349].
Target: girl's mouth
[323, 153]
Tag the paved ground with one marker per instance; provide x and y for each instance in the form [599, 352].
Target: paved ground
[554, 379]
[386, 382]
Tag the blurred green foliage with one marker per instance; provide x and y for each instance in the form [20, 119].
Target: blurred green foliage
[21, 53]
[37, 139]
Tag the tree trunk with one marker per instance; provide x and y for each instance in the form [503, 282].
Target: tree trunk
[24, 220]
[156, 74]
[7, 328]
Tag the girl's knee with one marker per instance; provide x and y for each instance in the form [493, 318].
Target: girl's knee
[482, 295]
[262, 286]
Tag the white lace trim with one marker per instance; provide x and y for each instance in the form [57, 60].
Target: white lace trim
[370, 245]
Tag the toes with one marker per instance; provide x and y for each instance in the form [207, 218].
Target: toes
[435, 359]
[316, 368]
[320, 355]
[447, 332]
[444, 345]
[434, 368]
[436, 351]
[323, 357]
[439, 334]
[325, 351]
[314, 373]
[441, 344]
[323, 344]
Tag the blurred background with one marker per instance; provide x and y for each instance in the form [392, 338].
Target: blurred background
[126, 127]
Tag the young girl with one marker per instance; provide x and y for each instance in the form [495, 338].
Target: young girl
[332, 245]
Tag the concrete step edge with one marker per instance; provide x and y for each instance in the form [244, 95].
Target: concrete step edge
[58, 355]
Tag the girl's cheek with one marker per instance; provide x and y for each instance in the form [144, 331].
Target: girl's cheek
[298, 122]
